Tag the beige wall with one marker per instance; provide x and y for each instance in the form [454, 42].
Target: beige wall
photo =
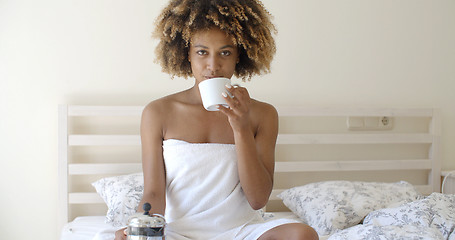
[336, 53]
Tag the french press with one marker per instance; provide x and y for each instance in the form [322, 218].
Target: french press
[146, 226]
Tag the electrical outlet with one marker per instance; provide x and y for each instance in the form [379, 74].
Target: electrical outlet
[370, 123]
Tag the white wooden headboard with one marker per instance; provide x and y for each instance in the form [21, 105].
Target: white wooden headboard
[314, 144]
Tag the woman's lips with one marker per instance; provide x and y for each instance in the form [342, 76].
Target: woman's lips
[209, 77]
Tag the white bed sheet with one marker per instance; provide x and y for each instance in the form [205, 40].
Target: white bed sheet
[94, 228]
[87, 228]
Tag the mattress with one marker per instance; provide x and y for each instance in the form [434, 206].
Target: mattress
[94, 227]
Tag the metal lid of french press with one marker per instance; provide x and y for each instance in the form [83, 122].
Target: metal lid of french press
[146, 220]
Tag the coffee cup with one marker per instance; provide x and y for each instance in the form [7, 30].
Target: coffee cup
[211, 90]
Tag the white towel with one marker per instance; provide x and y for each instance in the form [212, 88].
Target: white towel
[204, 199]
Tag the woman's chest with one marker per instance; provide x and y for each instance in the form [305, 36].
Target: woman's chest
[210, 127]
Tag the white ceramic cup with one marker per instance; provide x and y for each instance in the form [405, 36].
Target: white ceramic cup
[211, 90]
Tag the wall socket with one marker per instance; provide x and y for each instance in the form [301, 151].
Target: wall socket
[370, 123]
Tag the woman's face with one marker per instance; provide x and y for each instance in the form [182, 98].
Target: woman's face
[212, 54]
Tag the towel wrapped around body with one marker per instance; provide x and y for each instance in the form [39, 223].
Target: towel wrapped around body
[204, 198]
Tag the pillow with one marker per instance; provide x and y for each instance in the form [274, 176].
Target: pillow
[122, 195]
[436, 211]
[334, 205]
[371, 231]
[452, 236]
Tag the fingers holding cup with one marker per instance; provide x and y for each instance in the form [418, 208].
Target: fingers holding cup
[237, 97]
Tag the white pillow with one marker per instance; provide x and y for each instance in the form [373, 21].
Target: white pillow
[122, 195]
[334, 205]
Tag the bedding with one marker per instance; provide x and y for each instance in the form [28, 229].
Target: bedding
[436, 211]
[326, 206]
[95, 228]
[370, 231]
[432, 217]
[122, 195]
[85, 228]
[331, 206]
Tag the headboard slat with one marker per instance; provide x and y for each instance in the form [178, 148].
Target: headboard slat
[286, 111]
[307, 166]
[80, 110]
[357, 165]
[353, 138]
[104, 140]
[103, 168]
[76, 110]
[118, 140]
[84, 198]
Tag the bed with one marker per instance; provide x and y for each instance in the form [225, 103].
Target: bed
[364, 164]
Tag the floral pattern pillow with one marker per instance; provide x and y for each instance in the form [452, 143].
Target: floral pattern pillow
[452, 236]
[334, 205]
[373, 232]
[122, 195]
[436, 211]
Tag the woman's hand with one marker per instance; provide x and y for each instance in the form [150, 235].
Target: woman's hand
[238, 112]
[120, 234]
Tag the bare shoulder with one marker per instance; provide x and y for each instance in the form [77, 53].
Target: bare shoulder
[157, 112]
[159, 107]
[264, 117]
[263, 110]
[154, 109]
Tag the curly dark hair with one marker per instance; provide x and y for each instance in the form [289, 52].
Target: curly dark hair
[246, 21]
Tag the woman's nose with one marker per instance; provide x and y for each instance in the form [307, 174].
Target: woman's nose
[213, 63]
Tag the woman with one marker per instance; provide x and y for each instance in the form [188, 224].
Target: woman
[211, 171]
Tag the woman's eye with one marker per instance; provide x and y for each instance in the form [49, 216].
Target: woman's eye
[201, 52]
[225, 53]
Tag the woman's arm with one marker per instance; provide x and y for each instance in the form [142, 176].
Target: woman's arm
[152, 163]
[152, 159]
[255, 148]
[256, 159]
